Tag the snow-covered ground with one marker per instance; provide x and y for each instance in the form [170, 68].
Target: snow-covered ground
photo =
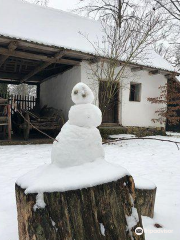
[153, 160]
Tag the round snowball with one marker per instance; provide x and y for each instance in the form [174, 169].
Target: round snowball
[85, 115]
[82, 94]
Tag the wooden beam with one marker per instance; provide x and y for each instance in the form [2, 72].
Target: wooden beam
[16, 77]
[42, 67]
[12, 46]
[35, 71]
[36, 57]
[171, 76]
[68, 62]
[2, 60]
[94, 60]
[25, 55]
[153, 72]
[38, 92]
[16, 82]
[168, 76]
[33, 46]
[136, 69]
[25, 45]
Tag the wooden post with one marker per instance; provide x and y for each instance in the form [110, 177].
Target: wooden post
[38, 94]
[9, 121]
[20, 102]
[102, 212]
[25, 102]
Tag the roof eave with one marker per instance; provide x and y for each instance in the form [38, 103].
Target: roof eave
[86, 54]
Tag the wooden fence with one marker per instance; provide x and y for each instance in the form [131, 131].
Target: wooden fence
[22, 102]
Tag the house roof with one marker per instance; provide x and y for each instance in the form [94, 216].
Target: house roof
[47, 26]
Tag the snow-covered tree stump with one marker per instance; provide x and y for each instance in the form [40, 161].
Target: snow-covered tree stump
[80, 195]
[145, 197]
[102, 212]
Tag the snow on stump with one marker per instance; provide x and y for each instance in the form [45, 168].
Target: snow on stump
[79, 196]
[145, 196]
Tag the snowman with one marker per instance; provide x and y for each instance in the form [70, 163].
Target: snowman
[79, 141]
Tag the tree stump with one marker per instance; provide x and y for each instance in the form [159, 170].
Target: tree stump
[145, 198]
[102, 212]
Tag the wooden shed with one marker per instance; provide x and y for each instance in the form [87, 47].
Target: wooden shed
[54, 50]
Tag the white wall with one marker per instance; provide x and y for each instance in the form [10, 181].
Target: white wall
[56, 91]
[133, 113]
[87, 78]
[141, 113]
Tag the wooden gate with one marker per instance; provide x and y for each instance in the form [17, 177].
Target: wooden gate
[22, 102]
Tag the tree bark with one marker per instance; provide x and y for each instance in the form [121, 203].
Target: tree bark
[96, 213]
[145, 200]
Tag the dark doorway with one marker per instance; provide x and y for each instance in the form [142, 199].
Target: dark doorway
[108, 102]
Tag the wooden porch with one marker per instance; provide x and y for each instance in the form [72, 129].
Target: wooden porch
[27, 62]
[31, 63]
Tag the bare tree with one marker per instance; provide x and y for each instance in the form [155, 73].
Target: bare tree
[39, 2]
[129, 30]
[172, 7]
[22, 89]
[42, 2]
[115, 10]
[170, 50]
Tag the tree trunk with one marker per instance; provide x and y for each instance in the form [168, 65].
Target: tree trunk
[145, 200]
[102, 212]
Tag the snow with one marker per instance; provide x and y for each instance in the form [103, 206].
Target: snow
[58, 28]
[79, 141]
[142, 183]
[82, 94]
[85, 115]
[173, 134]
[78, 159]
[39, 201]
[102, 229]
[155, 60]
[51, 178]
[153, 160]
[54, 225]
[47, 25]
[178, 78]
[132, 220]
[71, 148]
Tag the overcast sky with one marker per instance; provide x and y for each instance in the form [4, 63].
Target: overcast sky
[66, 5]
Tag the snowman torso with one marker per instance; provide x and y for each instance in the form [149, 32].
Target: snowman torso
[79, 141]
[85, 115]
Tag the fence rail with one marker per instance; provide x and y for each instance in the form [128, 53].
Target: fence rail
[22, 102]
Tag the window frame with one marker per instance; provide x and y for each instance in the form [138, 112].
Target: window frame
[139, 94]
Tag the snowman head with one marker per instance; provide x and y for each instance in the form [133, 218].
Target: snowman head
[82, 94]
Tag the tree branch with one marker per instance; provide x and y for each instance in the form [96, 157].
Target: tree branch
[141, 138]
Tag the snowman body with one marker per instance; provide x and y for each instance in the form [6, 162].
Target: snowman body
[79, 141]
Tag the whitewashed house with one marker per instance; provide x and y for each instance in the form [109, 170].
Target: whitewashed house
[46, 47]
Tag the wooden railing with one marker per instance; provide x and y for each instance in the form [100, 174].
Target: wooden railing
[22, 102]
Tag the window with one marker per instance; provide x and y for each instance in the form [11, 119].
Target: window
[135, 92]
